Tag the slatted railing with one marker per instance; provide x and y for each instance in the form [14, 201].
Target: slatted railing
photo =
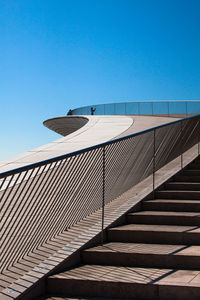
[44, 199]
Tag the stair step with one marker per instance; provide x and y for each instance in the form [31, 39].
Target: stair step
[144, 255]
[162, 234]
[187, 178]
[172, 205]
[191, 186]
[194, 166]
[58, 297]
[183, 194]
[127, 282]
[196, 161]
[189, 172]
[164, 217]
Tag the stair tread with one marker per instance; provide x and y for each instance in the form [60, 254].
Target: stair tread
[183, 182]
[191, 172]
[165, 213]
[178, 191]
[158, 228]
[77, 298]
[142, 248]
[136, 275]
[187, 178]
[61, 298]
[173, 201]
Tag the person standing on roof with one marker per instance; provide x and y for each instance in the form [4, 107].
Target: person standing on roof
[69, 112]
[92, 110]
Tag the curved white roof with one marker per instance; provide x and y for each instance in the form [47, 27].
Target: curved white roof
[83, 132]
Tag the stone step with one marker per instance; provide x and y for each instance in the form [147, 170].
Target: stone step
[168, 194]
[126, 282]
[162, 234]
[164, 217]
[172, 205]
[144, 255]
[191, 186]
[187, 178]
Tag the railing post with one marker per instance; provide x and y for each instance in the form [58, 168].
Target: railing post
[198, 147]
[103, 194]
[198, 138]
[168, 107]
[181, 145]
[154, 161]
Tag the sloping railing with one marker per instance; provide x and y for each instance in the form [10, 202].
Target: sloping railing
[44, 199]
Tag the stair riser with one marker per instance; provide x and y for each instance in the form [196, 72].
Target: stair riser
[141, 260]
[137, 291]
[187, 178]
[191, 172]
[183, 195]
[86, 288]
[187, 207]
[194, 167]
[179, 238]
[178, 292]
[163, 220]
[182, 186]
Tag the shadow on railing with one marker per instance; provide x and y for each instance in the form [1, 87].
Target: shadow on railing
[42, 200]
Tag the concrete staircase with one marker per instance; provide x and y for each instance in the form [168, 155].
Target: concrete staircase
[155, 255]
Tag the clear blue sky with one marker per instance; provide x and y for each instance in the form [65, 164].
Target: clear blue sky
[61, 54]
